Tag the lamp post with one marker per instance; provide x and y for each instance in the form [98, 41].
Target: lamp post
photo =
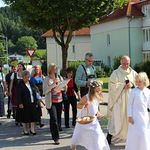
[6, 47]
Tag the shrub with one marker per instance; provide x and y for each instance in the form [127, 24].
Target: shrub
[116, 62]
[144, 66]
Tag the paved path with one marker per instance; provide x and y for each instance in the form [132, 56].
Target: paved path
[11, 138]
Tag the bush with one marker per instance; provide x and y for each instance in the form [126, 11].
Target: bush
[144, 66]
[74, 64]
[101, 71]
[116, 62]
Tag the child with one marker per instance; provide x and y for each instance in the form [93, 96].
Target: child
[139, 125]
[90, 135]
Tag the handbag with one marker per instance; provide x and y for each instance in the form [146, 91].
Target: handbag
[64, 95]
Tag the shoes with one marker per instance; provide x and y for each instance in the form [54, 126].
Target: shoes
[73, 124]
[8, 116]
[109, 137]
[13, 115]
[60, 129]
[25, 133]
[41, 125]
[33, 133]
[67, 126]
[57, 142]
[16, 123]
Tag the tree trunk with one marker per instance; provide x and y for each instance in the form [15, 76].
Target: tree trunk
[64, 49]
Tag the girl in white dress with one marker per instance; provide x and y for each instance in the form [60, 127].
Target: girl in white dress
[90, 135]
[139, 123]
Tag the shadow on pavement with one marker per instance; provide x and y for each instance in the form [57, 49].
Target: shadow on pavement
[67, 148]
[10, 135]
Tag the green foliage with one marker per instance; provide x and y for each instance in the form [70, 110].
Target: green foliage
[104, 121]
[11, 26]
[2, 54]
[14, 63]
[74, 64]
[61, 16]
[105, 83]
[40, 53]
[116, 62]
[120, 3]
[103, 71]
[24, 43]
[144, 66]
[100, 72]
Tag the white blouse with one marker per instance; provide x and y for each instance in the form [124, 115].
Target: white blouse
[29, 87]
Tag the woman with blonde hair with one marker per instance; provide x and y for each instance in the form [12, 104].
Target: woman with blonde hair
[138, 117]
[90, 135]
[53, 101]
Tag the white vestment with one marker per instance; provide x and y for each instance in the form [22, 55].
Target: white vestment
[139, 132]
[90, 135]
[117, 103]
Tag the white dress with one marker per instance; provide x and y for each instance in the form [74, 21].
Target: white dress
[139, 133]
[90, 135]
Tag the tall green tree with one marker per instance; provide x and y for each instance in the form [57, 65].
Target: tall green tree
[2, 53]
[11, 26]
[62, 16]
[24, 43]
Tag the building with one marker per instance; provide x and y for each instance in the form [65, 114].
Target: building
[79, 45]
[125, 31]
[17, 57]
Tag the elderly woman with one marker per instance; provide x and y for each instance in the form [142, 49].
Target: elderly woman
[53, 101]
[27, 103]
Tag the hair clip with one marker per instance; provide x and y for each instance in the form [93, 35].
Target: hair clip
[96, 83]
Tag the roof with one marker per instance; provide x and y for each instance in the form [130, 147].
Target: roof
[134, 8]
[81, 32]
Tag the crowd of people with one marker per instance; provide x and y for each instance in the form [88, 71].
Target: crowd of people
[128, 103]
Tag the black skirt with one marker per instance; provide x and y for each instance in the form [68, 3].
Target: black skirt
[27, 114]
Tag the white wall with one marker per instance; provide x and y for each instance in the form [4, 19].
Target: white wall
[119, 39]
[54, 53]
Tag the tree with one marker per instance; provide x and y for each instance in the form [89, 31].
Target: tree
[2, 54]
[62, 16]
[25, 42]
[11, 26]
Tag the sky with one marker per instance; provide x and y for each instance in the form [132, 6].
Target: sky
[2, 3]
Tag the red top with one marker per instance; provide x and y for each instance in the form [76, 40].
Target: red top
[70, 89]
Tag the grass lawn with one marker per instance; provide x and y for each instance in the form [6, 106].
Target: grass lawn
[105, 83]
[104, 122]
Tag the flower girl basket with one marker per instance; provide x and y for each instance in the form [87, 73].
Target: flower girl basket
[85, 119]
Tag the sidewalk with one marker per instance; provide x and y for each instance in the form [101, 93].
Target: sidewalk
[11, 138]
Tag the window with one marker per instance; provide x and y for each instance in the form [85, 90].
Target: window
[146, 35]
[146, 10]
[73, 48]
[108, 39]
[146, 56]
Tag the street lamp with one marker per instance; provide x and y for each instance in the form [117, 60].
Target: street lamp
[6, 47]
